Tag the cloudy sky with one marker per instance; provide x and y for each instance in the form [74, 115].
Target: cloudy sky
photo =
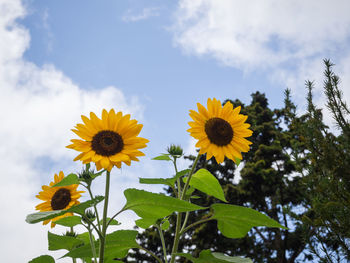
[151, 58]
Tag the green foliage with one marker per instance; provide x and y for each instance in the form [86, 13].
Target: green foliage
[43, 259]
[235, 221]
[205, 182]
[79, 209]
[163, 157]
[69, 221]
[206, 256]
[167, 181]
[68, 180]
[118, 244]
[143, 203]
[57, 242]
[328, 173]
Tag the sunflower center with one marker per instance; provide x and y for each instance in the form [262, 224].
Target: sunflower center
[219, 131]
[60, 199]
[107, 143]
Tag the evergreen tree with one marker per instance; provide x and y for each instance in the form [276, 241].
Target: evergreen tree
[328, 173]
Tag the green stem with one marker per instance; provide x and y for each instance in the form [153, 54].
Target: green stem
[104, 219]
[177, 237]
[72, 230]
[95, 208]
[179, 215]
[163, 243]
[178, 181]
[194, 224]
[151, 253]
[111, 219]
[190, 176]
[93, 249]
[185, 222]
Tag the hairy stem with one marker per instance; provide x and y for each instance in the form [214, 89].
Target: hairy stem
[104, 219]
[163, 242]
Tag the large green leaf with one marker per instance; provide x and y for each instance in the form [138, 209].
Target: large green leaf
[205, 182]
[155, 206]
[43, 259]
[167, 181]
[68, 180]
[79, 209]
[69, 221]
[235, 221]
[117, 245]
[57, 242]
[206, 256]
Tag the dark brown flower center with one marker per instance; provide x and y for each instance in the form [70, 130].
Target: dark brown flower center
[219, 131]
[107, 143]
[60, 199]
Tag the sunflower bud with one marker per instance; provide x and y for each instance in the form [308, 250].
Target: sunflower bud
[86, 175]
[89, 215]
[175, 150]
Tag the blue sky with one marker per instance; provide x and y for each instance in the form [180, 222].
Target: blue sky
[153, 59]
[114, 44]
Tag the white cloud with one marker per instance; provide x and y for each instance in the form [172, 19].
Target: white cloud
[38, 107]
[285, 39]
[146, 13]
[261, 33]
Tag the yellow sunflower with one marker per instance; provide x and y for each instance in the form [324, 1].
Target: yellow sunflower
[58, 198]
[220, 130]
[108, 141]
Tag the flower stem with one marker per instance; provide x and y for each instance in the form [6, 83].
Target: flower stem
[179, 215]
[95, 208]
[72, 231]
[104, 219]
[151, 253]
[93, 249]
[190, 176]
[163, 242]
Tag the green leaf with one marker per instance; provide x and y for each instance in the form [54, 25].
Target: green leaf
[167, 181]
[43, 259]
[235, 221]
[165, 224]
[155, 206]
[117, 245]
[145, 222]
[85, 237]
[57, 242]
[69, 221]
[163, 157]
[113, 222]
[93, 176]
[237, 161]
[206, 256]
[68, 180]
[79, 209]
[205, 182]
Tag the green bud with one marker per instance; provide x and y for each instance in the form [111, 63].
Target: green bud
[175, 150]
[86, 175]
[89, 215]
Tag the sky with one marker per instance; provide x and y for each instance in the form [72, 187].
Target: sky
[153, 59]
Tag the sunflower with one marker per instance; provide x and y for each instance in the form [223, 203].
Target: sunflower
[108, 141]
[58, 198]
[220, 130]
